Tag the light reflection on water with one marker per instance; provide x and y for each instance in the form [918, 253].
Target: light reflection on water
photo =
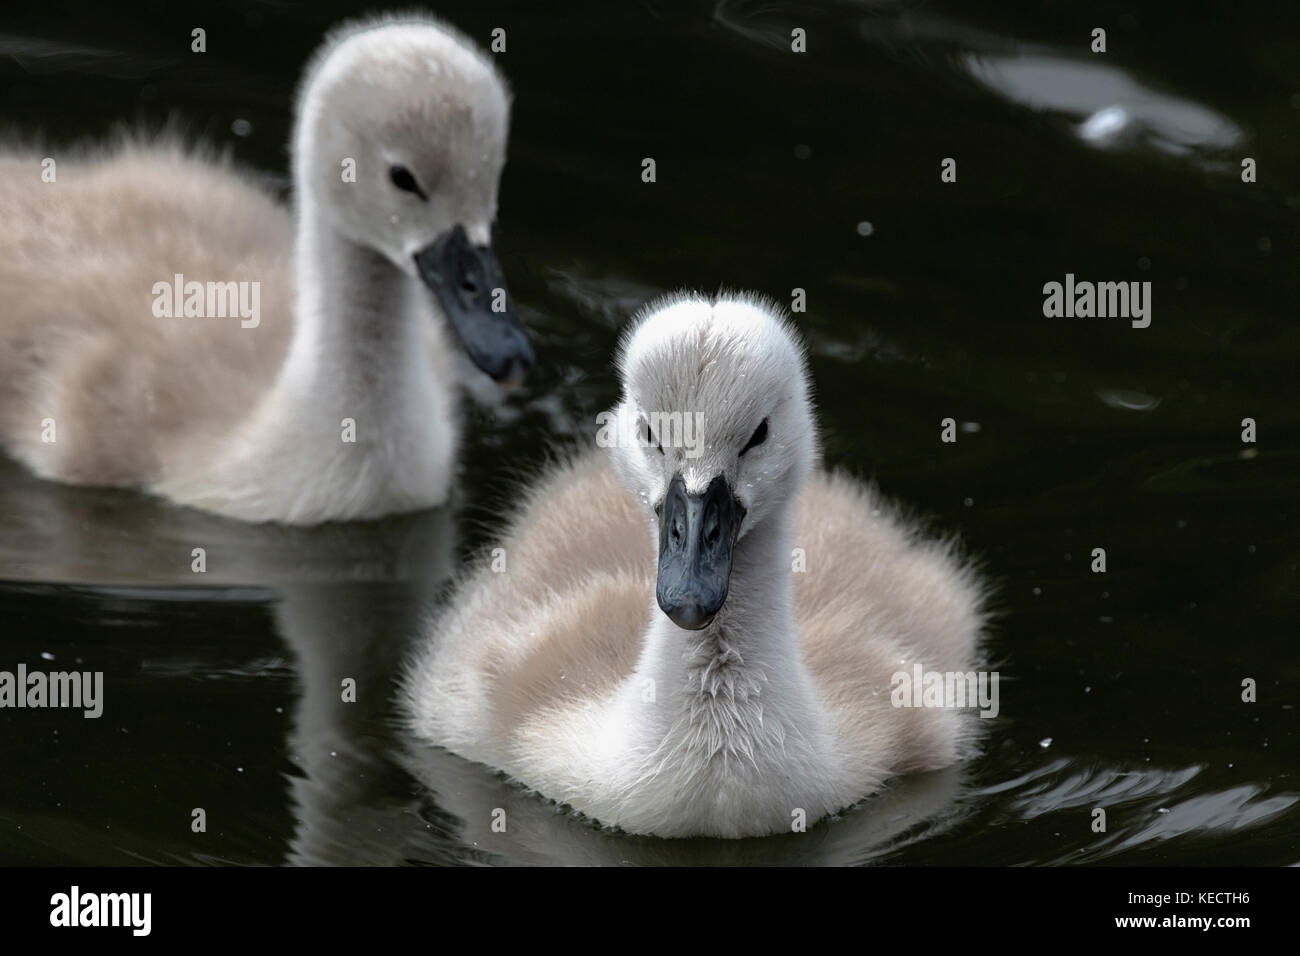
[1113, 108]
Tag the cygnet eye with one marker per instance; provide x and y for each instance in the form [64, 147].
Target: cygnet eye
[650, 439]
[759, 436]
[405, 181]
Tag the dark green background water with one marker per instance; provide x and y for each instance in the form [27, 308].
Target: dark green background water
[1119, 690]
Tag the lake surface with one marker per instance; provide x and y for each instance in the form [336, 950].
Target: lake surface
[775, 171]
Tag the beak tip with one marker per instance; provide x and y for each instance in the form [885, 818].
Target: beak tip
[688, 615]
[694, 626]
[511, 370]
[514, 375]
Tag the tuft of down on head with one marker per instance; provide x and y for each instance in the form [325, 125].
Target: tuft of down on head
[715, 387]
[402, 93]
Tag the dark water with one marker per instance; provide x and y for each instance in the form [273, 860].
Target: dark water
[1120, 690]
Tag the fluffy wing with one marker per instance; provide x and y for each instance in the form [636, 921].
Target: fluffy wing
[79, 340]
[877, 597]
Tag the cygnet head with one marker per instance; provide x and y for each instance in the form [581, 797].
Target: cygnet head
[716, 435]
[399, 145]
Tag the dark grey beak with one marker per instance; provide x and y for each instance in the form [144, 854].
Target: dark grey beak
[696, 534]
[471, 290]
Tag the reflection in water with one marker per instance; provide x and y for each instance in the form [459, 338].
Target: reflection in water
[345, 598]
[37, 56]
[1128, 399]
[350, 803]
[1144, 806]
[1113, 107]
[464, 799]
[56, 532]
